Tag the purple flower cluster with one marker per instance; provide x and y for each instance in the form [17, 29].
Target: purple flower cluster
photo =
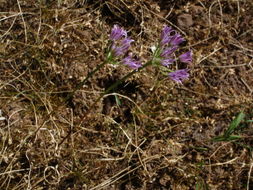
[163, 55]
[169, 43]
[120, 46]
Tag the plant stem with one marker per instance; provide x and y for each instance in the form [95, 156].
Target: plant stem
[113, 86]
[117, 83]
[90, 74]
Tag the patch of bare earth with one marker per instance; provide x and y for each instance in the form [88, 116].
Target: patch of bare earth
[149, 133]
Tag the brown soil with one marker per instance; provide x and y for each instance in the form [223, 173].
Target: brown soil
[150, 133]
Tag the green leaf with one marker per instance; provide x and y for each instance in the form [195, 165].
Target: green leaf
[219, 138]
[235, 123]
[224, 138]
[118, 102]
[233, 137]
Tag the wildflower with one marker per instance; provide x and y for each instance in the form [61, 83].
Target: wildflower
[166, 57]
[168, 52]
[134, 64]
[117, 33]
[186, 57]
[166, 31]
[167, 38]
[165, 53]
[176, 40]
[121, 47]
[179, 75]
[169, 42]
[165, 35]
[120, 42]
[167, 61]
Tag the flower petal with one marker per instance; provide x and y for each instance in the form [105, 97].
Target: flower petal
[167, 52]
[176, 40]
[117, 33]
[165, 35]
[186, 57]
[168, 61]
[134, 64]
[179, 75]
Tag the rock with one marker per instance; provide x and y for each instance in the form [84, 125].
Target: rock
[184, 21]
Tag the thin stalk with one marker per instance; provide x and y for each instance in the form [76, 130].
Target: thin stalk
[90, 74]
[113, 86]
[116, 84]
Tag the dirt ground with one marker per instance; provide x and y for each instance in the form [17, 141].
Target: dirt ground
[150, 132]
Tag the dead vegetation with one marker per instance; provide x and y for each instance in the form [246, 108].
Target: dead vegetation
[150, 133]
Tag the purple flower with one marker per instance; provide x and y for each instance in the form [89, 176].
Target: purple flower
[134, 64]
[179, 75]
[169, 42]
[116, 50]
[165, 35]
[121, 47]
[166, 31]
[167, 61]
[166, 56]
[176, 40]
[125, 44]
[117, 33]
[186, 57]
[167, 52]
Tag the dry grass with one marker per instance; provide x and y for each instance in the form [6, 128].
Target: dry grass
[148, 134]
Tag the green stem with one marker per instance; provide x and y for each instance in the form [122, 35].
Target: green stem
[116, 84]
[90, 74]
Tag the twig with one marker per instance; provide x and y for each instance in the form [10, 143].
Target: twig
[248, 87]
[23, 20]
[249, 174]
